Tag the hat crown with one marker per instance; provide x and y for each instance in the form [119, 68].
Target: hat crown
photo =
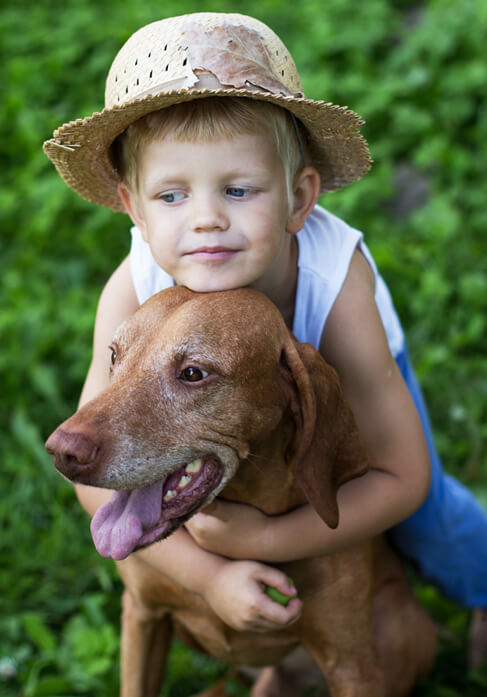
[239, 51]
[196, 56]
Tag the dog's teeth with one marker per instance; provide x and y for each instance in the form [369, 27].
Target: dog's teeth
[170, 494]
[184, 481]
[194, 467]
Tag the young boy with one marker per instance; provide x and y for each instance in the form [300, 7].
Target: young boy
[209, 145]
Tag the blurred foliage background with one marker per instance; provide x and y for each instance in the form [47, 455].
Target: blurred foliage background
[416, 71]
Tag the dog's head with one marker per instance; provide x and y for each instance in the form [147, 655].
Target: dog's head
[195, 380]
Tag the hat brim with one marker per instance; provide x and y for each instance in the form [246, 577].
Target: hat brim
[80, 149]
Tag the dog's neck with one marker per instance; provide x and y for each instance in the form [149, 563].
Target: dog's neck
[264, 479]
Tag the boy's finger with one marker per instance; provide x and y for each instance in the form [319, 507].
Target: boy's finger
[274, 578]
[280, 615]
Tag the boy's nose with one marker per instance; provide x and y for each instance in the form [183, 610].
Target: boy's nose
[208, 214]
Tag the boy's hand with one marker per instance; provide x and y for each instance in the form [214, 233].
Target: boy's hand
[233, 530]
[236, 592]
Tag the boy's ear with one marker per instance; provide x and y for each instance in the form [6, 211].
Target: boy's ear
[129, 200]
[306, 190]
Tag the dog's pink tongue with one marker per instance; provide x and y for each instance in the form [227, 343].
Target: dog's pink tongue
[118, 525]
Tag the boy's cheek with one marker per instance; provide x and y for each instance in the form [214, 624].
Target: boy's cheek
[134, 209]
[143, 231]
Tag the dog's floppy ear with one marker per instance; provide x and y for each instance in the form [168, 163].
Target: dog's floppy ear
[328, 451]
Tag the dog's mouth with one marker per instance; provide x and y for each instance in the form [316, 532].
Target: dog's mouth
[137, 518]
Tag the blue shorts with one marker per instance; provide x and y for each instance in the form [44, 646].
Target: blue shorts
[447, 537]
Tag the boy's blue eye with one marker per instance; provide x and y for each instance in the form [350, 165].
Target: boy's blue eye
[237, 191]
[172, 196]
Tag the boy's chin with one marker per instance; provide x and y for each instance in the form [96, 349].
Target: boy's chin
[213, 285]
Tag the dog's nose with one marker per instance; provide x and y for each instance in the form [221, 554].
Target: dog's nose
[72, 453]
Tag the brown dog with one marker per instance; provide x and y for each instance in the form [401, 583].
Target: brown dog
[217, 382]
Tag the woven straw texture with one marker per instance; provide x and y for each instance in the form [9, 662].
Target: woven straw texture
[159, 66]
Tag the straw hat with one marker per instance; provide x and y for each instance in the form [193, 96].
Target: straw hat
[190, 57]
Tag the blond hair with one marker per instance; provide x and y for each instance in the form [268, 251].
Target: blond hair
[213, 118]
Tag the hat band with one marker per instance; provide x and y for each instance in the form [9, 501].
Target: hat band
[200, 80]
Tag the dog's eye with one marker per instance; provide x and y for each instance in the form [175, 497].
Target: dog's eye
[113, 357]
[192, 374]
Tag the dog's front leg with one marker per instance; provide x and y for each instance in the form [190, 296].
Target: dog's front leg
[342, 645]
[337, 624]
[145, 644]
[351, 672]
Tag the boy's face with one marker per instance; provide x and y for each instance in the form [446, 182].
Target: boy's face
[215, 214]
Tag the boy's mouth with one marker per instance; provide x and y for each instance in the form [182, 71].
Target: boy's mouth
[213, 253]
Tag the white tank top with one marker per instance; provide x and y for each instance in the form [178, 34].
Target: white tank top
[326, 245]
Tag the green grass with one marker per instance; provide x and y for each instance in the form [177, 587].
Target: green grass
[417, 73]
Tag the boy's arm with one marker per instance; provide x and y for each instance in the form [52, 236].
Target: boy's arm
[118, 301]
[234, 590]
[354, 343]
